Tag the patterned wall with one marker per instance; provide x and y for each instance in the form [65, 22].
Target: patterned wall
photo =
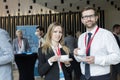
[69, 20]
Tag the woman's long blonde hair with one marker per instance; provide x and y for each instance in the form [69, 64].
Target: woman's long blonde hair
[47, 43]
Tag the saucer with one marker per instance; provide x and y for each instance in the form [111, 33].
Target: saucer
[64, 58]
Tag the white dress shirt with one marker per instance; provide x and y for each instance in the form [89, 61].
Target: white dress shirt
[22, 48]
[41, 41]
[105, 49]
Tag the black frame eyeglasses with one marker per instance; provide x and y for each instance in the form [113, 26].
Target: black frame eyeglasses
[88, 16]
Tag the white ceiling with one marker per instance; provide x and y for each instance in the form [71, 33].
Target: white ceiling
[24, 8]
[39, 6]
[103, 4]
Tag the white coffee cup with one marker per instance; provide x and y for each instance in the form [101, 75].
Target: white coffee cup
[64, 57]
[81, 54]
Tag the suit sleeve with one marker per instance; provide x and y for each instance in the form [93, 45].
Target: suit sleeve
[43, 65]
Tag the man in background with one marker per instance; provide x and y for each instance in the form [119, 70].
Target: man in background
[115, 69]
[6, 56]
[71, 43]
[40, 34]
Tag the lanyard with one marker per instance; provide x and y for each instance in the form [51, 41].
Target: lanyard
[58, 52]
[89, 44]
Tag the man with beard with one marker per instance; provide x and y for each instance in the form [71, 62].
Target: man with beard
[97, 48]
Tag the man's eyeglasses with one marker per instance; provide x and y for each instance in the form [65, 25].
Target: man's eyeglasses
[88, 16]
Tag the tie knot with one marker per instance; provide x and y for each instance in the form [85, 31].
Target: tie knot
[89, 34]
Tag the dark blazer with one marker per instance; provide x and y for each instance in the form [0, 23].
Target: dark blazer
[115, 69]
[51, 72]
[117, 39]
[26, 45]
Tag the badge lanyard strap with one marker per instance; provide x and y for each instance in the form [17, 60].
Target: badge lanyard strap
[61, 71]
[89, 44]
[59, 54]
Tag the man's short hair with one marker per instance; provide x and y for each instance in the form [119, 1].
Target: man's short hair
[89, 8]
[40, 28]
[116, 26]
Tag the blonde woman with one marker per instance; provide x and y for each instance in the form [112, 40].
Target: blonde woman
[20, 44]
[50, 54]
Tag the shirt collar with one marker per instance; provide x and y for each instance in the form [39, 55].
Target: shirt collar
[60, 46]
[93, 31]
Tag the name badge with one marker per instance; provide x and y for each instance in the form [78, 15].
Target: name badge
[62, 76]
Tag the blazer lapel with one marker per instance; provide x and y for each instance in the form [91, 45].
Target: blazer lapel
[62, 51]
[16, 41]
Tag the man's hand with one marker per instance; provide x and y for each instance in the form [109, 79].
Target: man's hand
[89, 59]
[76, 51]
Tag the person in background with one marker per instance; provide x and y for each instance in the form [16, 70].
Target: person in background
[116, 32]
[40, 34]
[115, 69]
[20, 44]
[97, 48]
[78, 33]
[49, 55]
[71, 43]
[6, 56]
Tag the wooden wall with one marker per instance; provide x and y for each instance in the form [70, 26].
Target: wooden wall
[69, 20]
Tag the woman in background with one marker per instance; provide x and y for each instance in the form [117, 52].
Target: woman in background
[49, 55]
[20, 44]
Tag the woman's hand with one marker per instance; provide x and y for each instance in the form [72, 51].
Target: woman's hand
[66, 62]
[54, 58]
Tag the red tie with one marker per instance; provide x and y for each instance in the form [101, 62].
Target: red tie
[59, 54]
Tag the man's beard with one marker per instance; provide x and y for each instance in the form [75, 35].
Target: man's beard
[91, 25]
